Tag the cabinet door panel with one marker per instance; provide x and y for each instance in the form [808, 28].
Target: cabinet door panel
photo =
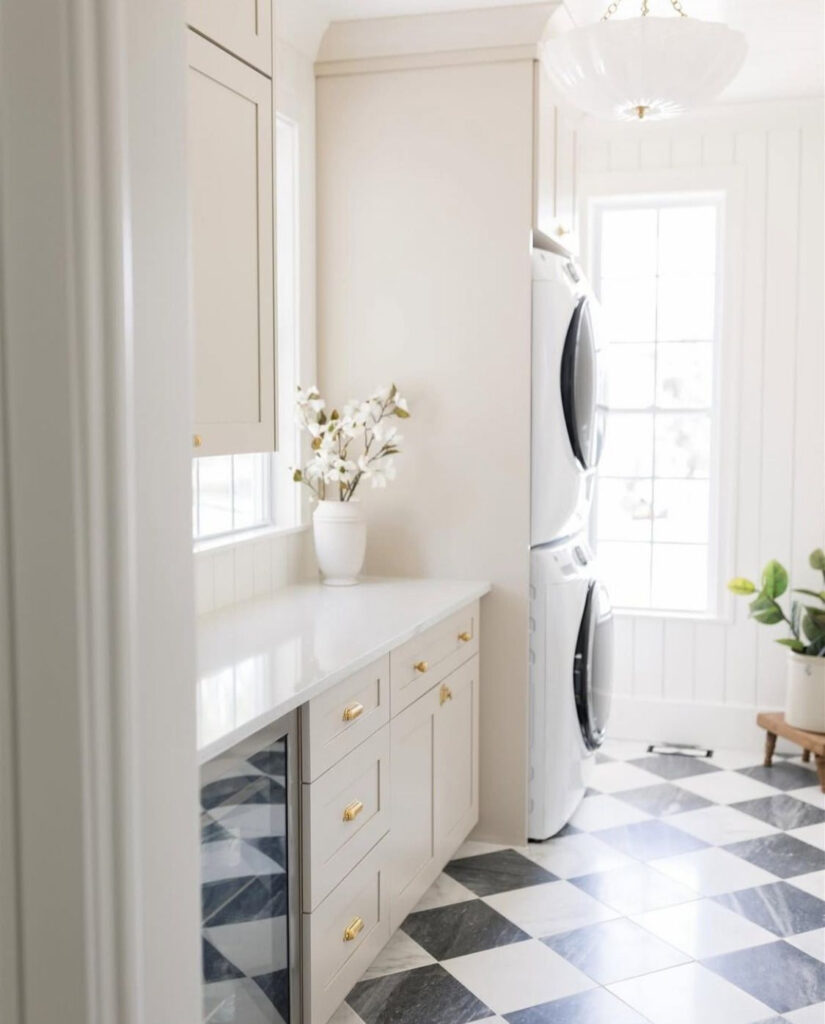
[456, 759]
[244, 27]
[230, 171]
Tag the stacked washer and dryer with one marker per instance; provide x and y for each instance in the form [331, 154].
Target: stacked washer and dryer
[571, 622]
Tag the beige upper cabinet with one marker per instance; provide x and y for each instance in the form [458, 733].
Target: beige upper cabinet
[554, 172]
[244, 27]
[233, 288]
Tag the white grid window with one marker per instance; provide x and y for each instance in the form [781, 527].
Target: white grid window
[230, 493]
[656, 271]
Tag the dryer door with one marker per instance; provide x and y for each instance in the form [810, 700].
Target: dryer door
[579, 384]
[593, 666]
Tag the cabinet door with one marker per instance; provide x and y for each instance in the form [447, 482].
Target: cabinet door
[244, 27]
[412, 833]
[456, 759]
[231, 197]
[554, 160]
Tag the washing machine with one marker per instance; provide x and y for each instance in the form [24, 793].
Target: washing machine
[568, 396]
[571, 668]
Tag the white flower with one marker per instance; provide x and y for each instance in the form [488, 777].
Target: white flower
[386, 433]
[401, 403]
[381, 472]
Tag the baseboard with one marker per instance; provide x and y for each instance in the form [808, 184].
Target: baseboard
[720, 726]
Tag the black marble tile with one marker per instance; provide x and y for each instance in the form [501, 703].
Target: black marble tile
[663, 799]
[489, 873]
[211, 831]
[596, 1006]
[242, 789]
[261, 897]
[781, 775]
[782, 811]
[215, 895]
[426, 995]
[784, 855]
[273, 847]
[461, 928]
[674, 766]
[275, 987]
[779, 975]
[781, 908]
[271, 761]
[215, 965]
[647, 840]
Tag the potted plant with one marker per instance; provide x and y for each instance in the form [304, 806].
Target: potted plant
[348, 447]
[805, 700]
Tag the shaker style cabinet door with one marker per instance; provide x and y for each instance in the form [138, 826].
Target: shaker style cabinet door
[456, 759]
[554, 164]
[244, 27]
[233, 285]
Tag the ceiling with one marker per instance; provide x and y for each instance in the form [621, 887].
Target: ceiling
[786, 38]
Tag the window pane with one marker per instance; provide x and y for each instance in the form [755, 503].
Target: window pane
[687, 240]
[682, 445]
[685, 375]
[680, 577]
[629, 309]
[686, 307]
[624, 509]
[630, 376]
[628, 446]
[628, 243]
[249, 496]
[625, 569]
[681, 510]
[215, 494]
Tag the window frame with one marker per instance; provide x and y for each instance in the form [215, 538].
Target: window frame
[723, 187]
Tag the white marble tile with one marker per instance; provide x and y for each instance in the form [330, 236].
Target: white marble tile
[256, 947]
[713, 871]
[624, 750]
[252, 821]
[345, 1015]
[731, 760]
[703, 928]
[231, 858]
[548, 909]
[808, 1015]
[811, 795]
[400, 954]
[473, 847]
[443, 892]
[598, 812]
[813, 834]
[814, 883]
[616, 776]
[571, 856]
[513, 977]
[726, 787]
[636, 889]
[812, 943]
[240, 999]
[688, 994]
[720, 825]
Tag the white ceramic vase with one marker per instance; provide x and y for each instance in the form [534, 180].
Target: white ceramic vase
[805, 698]
[340, 533]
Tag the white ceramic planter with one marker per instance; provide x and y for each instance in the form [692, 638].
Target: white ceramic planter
[805, 698]
[340, 541]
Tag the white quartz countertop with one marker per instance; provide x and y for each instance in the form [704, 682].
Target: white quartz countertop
[260, 660]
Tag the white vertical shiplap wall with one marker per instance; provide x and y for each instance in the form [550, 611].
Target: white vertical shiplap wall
[778, 490]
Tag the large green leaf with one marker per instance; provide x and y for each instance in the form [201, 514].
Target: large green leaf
[820, 594]
[795, 645]
[740, 585]
[774, 579]
[765, 610]
[817, 559]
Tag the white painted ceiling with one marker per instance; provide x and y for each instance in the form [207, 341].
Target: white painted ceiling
[786, 38]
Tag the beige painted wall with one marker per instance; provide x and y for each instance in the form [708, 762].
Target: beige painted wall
[424, 214]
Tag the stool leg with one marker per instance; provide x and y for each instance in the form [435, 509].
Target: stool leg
[770, 746]
[820, 768]
[806, 756]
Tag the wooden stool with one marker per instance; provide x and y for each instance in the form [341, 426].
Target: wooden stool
[811, 742]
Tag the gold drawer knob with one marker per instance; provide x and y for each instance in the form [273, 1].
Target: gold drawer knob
[421, 666]
[197, 441]
[353, 711]
[465, 638]
[351, 811]
[353, 928]
[446, 694]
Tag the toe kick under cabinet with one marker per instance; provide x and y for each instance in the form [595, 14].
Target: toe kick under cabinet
[389, 792]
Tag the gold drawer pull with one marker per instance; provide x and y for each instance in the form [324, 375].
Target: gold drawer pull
[465, 638]
[446, 694]
[197, 441]
[351, 811]
[353, 711]
[353, 928]
[421, 666]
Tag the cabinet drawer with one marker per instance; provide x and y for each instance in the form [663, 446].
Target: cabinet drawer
[421, 662]
[335, 723]
[244, 29]
[344, 934]
[346, 812]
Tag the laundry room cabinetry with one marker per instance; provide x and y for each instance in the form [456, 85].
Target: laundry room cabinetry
[555, 158]
[244, 28]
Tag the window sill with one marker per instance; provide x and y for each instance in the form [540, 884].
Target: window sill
[718, 618]
[232, 540]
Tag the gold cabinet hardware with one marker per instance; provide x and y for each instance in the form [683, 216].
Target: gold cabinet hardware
[446, 694]
[421, 666]
[353, 711]
[561, 231]
[351, 931]
[351, 811]
[465, 638]
[197, 441]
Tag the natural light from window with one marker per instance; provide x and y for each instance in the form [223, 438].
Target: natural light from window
[656, 271]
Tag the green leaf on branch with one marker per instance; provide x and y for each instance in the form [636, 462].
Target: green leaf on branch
[765, 610]
[812, 629]
[819, 594]
[402, 414]
[795, 645]
[774, 579]
[297, 476]
[817, 559]
[740, 585]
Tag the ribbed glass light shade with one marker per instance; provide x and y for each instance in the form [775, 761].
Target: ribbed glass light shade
[644, 67]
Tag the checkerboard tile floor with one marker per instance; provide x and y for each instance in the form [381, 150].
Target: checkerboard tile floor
[682, 892]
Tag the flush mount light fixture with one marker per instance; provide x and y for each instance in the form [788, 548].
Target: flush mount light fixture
[644, 68]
